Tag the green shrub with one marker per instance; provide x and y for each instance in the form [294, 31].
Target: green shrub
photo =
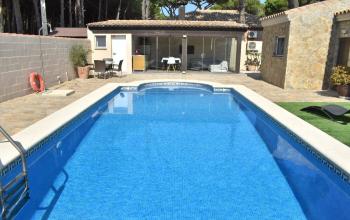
[78, 55]
[341, 75]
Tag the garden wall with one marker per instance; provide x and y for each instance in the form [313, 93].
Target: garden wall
[21, 54]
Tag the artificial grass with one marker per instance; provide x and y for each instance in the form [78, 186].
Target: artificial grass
[337, 130]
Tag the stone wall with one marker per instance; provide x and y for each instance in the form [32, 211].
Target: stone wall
[310, 48]
[20, 55]
[273, 68]
[311, 45]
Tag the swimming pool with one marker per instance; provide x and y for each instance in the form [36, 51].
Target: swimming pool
[178, 151]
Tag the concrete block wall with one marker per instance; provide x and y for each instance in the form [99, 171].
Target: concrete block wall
[21, 54]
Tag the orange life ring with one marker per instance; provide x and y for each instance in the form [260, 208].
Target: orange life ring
[35, 79]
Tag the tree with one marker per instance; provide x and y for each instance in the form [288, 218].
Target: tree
[82, 13]
[275, 6]
[242, 11]
[37, 14]
[99, 9]
[252, 6]
[206, 4]
[1, 17]
[70, 13]
[293, 3]
[119, 10]
[170, 6]
[18, 16]
[62, 14]
[145, 9]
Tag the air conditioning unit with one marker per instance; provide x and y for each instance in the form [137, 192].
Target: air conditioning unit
[254, 46]
[252, 34]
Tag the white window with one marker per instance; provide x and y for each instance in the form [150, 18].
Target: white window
[101, 41]
[279, 46]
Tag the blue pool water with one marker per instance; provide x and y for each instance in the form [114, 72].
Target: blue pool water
[180, 153]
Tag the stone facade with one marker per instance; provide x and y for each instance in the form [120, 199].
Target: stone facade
[311, 45]
[275, 75]
[20, 55]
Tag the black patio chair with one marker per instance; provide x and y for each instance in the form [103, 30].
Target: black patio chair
[118, 68]
[100, 68]
[165, 64]
[177, 64]
[330, 111]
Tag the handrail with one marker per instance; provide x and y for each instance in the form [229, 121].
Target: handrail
[18, 147]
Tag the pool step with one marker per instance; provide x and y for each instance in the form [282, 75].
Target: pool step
[14, 194]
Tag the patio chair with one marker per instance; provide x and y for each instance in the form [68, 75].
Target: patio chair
[330, 111]
[109, 63]
[165, 64]
[171, 63]
[118, 68]
[220, 68]
[100, 68]
[177, 64]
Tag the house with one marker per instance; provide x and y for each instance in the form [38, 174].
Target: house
[191, 44]
[300, 45]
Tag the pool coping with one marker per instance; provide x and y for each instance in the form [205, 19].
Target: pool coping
[332, 149]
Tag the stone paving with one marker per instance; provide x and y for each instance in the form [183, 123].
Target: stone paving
[19, 113]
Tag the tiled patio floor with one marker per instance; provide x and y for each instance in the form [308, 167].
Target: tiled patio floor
[18, 113]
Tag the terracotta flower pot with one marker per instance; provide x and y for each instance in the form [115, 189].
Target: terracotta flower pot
[251, 68]
[344, 90]
[83, 72]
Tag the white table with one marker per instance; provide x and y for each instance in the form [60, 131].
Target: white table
[167, 58]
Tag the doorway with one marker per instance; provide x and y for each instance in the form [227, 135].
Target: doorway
[119, 50]
[344, 52]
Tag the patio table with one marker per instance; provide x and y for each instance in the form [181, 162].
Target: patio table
[167, 58]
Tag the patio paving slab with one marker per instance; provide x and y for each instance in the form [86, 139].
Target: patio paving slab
[19, 113]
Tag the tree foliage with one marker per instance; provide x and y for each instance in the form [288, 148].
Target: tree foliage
[275, 6]
[23, 16]
[252, 6]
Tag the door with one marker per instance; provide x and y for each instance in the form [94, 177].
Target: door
[119, 48]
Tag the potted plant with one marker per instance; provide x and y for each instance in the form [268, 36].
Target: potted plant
[341, 79]
[78, 56]
[253, 61]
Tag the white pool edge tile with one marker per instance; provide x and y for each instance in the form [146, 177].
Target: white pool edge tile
[332, 149]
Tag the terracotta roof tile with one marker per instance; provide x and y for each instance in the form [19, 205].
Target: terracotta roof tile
[222, 15]
[167, 24]
[69, 32]
[343, 12]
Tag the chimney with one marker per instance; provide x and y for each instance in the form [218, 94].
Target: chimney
[182, 12]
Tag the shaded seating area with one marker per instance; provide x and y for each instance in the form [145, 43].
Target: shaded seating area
[334, 112]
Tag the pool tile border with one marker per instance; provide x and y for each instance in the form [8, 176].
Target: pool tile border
[76, 111]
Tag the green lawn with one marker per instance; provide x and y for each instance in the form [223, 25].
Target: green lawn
[337, 130]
